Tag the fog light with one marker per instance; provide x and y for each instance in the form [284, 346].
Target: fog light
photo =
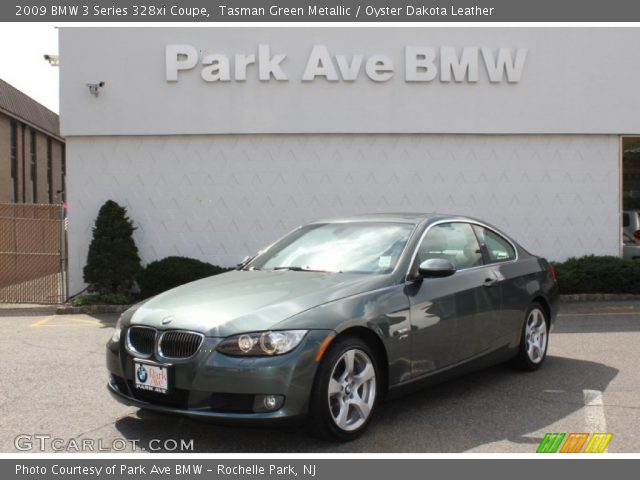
[270, 402]
[267, 403]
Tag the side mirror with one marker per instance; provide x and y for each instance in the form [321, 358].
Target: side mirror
[244, 261]
[436, 267]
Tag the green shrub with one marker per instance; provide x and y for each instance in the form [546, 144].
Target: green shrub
[102, 299]
[113, 262]
[598, 274]
[171, 272]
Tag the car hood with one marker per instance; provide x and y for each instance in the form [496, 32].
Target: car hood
[245, 301]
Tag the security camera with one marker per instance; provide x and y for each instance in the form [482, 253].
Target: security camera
[54, 60]
[94, 88]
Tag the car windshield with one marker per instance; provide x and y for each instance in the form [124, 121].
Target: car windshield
[358, 247]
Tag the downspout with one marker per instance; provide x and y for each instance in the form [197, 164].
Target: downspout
[24, 172]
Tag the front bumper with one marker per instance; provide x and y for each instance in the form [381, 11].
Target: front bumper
[224, 418]
[220, 388]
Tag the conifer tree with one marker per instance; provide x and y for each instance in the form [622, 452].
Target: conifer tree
[113, 262]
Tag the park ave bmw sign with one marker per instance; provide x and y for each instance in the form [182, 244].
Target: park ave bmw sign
[420, 64]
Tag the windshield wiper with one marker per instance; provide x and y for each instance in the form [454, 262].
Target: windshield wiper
[297, 269]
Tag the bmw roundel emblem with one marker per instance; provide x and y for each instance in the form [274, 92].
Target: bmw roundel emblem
[142, 374]
[168, 320]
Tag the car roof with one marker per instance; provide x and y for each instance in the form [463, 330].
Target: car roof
[399, 217]
[416, 219]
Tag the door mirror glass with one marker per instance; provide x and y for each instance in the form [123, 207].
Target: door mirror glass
[436, 267]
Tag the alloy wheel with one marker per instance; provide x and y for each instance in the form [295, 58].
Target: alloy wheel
[536, 335]
[352, 390]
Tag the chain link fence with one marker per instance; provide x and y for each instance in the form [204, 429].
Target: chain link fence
[32, 253]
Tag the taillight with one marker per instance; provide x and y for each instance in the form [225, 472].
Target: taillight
[553, 273]
[636, 234]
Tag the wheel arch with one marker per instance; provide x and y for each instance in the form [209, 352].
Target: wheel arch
[544, 303]
[375, 342]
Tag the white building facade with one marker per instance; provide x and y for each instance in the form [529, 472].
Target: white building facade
[220, 140]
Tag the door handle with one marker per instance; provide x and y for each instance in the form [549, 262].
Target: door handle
[490, 282]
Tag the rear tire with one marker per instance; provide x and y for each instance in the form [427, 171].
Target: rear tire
[346, 390]
[534, 339]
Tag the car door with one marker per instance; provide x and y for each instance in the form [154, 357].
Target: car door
[449, 315]
[500, 256]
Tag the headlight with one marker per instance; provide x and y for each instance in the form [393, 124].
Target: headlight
[262, 343]
[115, 338]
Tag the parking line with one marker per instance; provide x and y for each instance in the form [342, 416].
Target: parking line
[43, 322]
[594, 418]
[81, 322]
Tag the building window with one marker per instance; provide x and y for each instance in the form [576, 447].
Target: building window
[14, 161]
[33, 166]
[49, 170]
[63, 170]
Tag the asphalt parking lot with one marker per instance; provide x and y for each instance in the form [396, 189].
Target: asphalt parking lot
[53, 386]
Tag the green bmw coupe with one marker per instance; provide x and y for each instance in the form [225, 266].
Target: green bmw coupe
[333, 318]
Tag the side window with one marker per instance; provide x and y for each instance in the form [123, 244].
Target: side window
[454, 241]
[498, 248]
[626, 220]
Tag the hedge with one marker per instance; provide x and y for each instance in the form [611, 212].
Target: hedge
[171, 272]
[102, 299]
[598, 274]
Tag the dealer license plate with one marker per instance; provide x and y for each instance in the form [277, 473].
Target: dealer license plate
[153, 378]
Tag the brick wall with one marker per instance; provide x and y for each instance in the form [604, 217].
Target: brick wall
[57, 170]
[5, 164]
[41, 152]
[25, 169]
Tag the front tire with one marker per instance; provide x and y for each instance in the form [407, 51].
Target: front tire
[534, 339]
[346, 390]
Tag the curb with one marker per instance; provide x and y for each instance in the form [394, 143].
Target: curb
[599, 297]
[27, 310]
[118, 309]
[573, 298]
[91, 309]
